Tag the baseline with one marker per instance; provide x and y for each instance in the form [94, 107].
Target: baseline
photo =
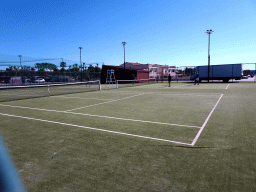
[104, 130]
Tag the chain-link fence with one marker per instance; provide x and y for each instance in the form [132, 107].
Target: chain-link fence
[183, 73]
[249, 72]
[26, 77]
[178, 74]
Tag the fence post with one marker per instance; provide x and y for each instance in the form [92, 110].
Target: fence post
[232, 73]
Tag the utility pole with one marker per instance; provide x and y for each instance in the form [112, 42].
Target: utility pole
[209, 32]
[81, 64]
[20, 59]
[80, 55]
[124, 43]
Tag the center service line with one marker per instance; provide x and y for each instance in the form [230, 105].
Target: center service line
[207, 119]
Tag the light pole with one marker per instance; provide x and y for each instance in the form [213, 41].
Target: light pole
[209, 32]
[81, 63]
[20, 59]
[124, 43]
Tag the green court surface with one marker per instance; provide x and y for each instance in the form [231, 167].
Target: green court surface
[144, 138]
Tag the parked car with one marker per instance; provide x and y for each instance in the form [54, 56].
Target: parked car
[27, 81]
[2, 81]
[40, 80]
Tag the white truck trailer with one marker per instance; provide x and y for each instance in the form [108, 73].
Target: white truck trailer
[218, 72]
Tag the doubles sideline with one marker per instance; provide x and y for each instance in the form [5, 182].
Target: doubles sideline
[104, 130]
[205, 122]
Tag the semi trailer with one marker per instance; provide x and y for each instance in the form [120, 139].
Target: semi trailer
[218, 72]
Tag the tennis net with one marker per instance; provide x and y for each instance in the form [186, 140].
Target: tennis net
[129, 83]
[11, 93]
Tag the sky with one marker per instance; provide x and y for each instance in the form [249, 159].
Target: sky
[170, 32]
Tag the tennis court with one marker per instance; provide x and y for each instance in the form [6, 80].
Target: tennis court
[140, 138]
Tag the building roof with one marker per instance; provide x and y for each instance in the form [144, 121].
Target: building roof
[121, 67]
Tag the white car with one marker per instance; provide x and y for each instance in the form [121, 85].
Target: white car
[40, 80]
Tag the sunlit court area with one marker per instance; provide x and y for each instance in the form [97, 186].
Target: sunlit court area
[136, 137]
[127, 96]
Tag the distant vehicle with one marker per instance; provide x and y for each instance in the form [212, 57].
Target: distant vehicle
[218, 72]
[40, 80]
[2, 81]
[28, 81]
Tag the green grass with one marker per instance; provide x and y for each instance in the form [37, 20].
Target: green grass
[59, 157]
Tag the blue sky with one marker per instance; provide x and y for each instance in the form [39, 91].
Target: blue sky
[168, 32]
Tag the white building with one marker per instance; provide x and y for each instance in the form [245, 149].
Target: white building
[156, 71]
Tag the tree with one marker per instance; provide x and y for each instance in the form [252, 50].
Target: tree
[62, 69]
[9, 68]
[45, 66]
[246, 72]
[75, 67]
[62, 65]
[179, 71]
[188, 71]
[91, 69]
[93, 72]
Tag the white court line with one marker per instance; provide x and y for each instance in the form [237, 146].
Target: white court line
[227, 86]
[82, 98]
[189, 94]
[182, 86]
[207, 119]
[175, 94]
[84, 127]
[165, 87]
[105, 102]
[108, 117]
[121, 92]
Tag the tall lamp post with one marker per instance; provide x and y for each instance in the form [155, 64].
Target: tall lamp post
[81, 64]
[20, 59]
[124, 43]
[209, 32]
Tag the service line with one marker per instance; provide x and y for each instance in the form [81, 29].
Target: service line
[105, 102]
[84, 127]
[82, 98]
